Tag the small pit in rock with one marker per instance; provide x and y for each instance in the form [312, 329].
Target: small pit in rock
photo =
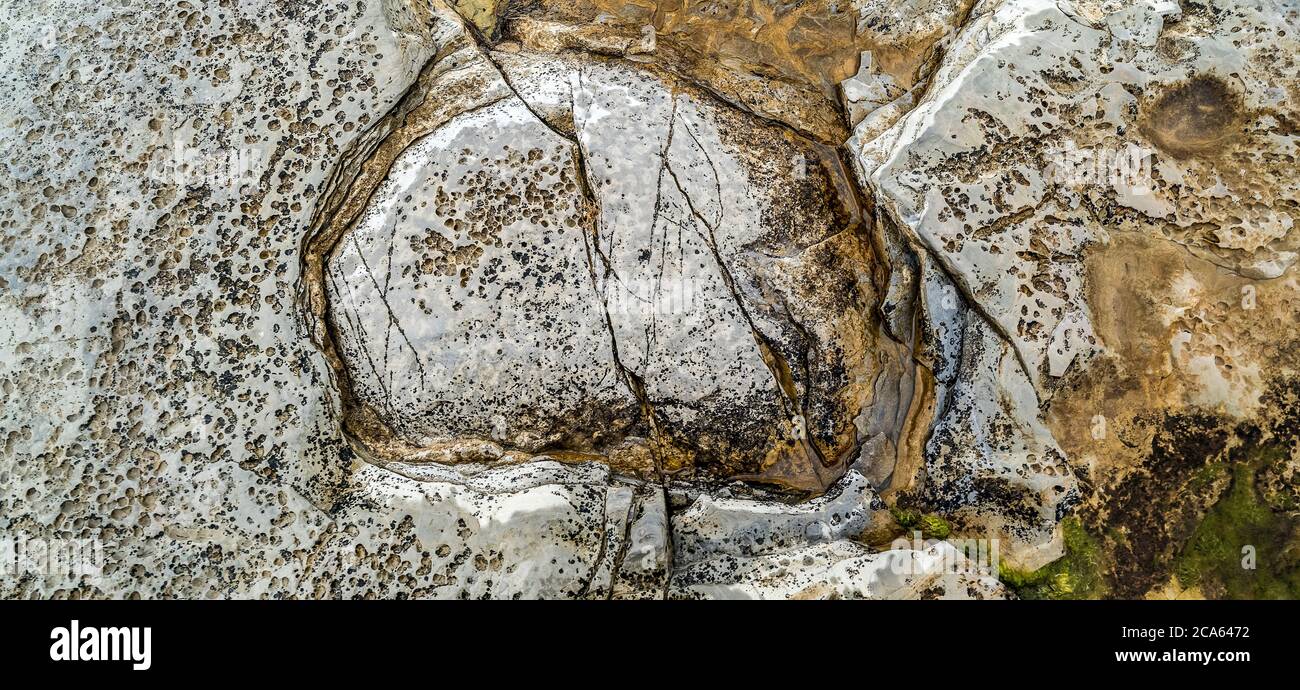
[1199, 117]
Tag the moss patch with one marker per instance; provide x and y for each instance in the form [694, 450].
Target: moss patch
[930, 526]
[1213, 558]
[1154, 508]
[1076, 575]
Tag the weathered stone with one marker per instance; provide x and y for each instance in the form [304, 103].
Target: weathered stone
[646, 268]
[839, 570]
[649, 299]
[1060, 152]
[714, 527]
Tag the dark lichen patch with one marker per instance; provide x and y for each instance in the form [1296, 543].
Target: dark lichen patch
[1199, 117]
[1246, 547]
[1151, 511]
[1209, 487]
[1079, 574]
[1015, 502]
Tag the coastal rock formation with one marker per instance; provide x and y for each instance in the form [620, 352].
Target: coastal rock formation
[650, 299]
[652, 277]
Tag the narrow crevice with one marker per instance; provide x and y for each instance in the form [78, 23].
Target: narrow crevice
[393, 321]
[623, 548]
[932, 64]
[958, 280]
[632, 381]
[600, 553]
[776, 363]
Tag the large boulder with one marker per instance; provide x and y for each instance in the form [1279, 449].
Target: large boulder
[596, 258]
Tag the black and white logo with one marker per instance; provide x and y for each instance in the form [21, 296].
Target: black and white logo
[75, 643]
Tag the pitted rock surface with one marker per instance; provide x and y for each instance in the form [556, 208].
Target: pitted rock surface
[492, 299]
[659, 278]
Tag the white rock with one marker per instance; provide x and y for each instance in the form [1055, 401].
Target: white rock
[840, 570]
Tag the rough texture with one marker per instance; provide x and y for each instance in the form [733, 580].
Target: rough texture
[655, 264]
[405, 298]
[1099, 229]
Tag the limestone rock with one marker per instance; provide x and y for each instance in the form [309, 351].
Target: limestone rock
[641, 299]
[1052, 140]
[397, 537]
[839, 570]
[713, 527]
[644, 268]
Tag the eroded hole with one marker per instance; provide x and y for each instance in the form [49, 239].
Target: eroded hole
[1199, 117]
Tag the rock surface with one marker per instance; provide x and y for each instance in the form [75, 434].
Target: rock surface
[488, 299]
